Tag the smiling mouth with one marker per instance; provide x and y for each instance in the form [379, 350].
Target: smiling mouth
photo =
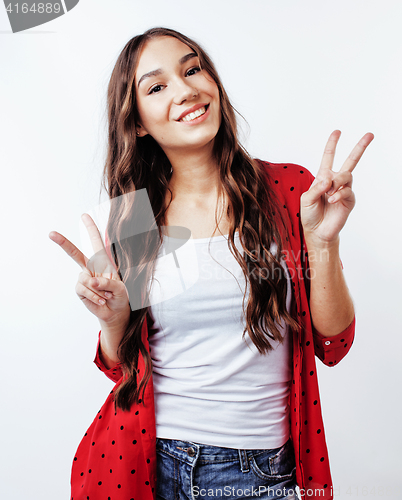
[196, 114]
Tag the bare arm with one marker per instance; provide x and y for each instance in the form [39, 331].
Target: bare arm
[110, 338]
[331, 305]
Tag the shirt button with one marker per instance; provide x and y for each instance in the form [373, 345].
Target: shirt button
[327, 342]
[190, 452]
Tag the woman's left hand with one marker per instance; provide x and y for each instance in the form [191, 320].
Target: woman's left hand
[326, 206]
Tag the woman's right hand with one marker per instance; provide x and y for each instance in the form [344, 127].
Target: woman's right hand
[100, 287]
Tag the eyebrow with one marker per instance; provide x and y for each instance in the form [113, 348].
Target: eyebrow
[159, 71]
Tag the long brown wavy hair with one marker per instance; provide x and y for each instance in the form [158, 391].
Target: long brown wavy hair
[135, 163]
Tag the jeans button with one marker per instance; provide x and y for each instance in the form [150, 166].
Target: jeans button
[190, 452]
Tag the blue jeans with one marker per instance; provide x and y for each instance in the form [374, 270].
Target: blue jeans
[192, 471]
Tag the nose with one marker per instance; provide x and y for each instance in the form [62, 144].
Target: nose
[183, 91]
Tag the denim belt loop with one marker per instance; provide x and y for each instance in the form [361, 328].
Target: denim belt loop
[244, 463]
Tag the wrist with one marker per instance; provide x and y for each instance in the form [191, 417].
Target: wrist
[107, 353]
[117, 324]
[315, 243]
[112, 332]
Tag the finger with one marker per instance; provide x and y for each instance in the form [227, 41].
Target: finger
[346, 195]
[91, 283]
[341, 179]
[94, 234]
[329, 151]
[86, 293]
[105, 287]
[70, 249]
[357, 152]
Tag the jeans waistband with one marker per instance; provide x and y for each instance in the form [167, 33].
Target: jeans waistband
[191, 453]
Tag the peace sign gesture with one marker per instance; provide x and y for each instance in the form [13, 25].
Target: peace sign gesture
[99, 285]
[326, 206]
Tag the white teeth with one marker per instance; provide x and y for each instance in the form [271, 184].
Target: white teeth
[193, 116]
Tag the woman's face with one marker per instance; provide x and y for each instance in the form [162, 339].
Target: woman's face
[178, 103]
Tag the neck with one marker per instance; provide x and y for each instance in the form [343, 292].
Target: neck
[195, 175]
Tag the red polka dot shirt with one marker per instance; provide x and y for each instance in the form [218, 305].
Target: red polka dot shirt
[116, 459]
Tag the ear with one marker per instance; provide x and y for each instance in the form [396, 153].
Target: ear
[140, 130]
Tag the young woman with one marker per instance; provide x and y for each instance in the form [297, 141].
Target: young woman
[216, 390]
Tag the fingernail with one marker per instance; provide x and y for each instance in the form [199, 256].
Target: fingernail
[331, 191]
[102, 302]
[108, 295]
[332, 199]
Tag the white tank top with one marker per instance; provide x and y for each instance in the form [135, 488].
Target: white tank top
[212, 386]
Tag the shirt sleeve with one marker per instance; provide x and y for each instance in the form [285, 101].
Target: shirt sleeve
[115, 373]
[331, 350]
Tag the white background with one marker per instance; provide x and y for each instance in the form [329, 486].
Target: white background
[296, 70]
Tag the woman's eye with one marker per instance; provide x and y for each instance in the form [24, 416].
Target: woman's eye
[155, 89]
[192, 71]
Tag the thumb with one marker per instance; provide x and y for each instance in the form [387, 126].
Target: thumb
[316, 191]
